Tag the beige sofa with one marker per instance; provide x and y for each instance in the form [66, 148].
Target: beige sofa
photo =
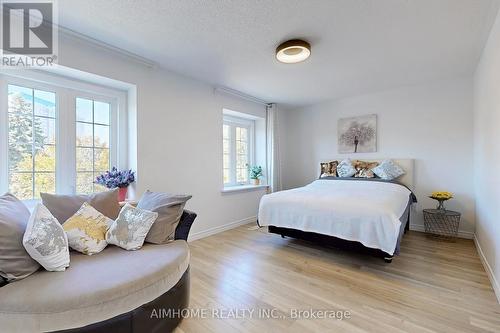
[112, 291]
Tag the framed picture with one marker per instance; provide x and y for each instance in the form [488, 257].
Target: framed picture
[357, 134]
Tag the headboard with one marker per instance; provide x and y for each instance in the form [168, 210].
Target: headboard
[406, 163]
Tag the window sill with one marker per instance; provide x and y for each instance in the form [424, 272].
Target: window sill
[243, 188]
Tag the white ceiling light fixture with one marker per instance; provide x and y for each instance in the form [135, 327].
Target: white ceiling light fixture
[293, 51]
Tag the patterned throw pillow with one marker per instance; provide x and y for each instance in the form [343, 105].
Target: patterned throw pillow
[131, 227]
[329, 169]
[388, 170]
[45, 240]
[364, 169]
[86, 230]
[346, 169]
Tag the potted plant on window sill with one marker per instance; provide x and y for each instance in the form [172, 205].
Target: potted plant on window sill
[255, 174]
[115, 178]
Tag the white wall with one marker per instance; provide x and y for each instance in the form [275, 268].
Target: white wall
[487, 154]
[179, 133]
[430, 123]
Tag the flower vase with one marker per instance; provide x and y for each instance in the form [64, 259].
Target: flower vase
[256, 181]
[441, 205]
[122, 193]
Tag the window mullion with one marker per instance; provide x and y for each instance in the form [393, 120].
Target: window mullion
[4, 136]
[233, 154]
[33, 138]
[66, 172]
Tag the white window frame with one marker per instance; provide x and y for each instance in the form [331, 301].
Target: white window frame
[66, 90]
[234, 122]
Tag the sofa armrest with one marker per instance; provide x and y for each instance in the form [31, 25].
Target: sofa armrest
[182, 230]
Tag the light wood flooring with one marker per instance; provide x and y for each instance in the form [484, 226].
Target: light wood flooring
[432, 286]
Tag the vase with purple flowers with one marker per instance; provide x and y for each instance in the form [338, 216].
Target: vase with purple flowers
[115, 178]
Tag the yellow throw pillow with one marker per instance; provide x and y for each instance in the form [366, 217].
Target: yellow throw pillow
[87, 229]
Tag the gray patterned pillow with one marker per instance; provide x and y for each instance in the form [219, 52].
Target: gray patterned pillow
[131, 227]
[388, 170]
[46, 241]
[346, 169]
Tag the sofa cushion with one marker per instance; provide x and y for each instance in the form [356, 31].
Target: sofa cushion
[46, 241]
[15, 262]
[131, 227]
[86, 230]
[169, 208]
[64, 206]
[93, 289]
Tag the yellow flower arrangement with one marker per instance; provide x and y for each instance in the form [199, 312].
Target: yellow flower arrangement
[441, 195]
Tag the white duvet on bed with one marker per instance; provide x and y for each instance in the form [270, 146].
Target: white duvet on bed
[364, 211]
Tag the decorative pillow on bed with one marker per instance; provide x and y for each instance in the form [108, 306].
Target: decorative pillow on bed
[364, 169]
[131, 227]
[346, 169]
[329, 169]
[86, 230]
[46, 241]
[388, 170]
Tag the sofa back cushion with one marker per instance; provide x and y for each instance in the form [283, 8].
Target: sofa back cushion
[15, 262]
[62, 207]
[169, 208]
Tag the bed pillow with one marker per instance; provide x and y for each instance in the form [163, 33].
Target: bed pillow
[388, 170]
[65, 206]
[131, 227]
[346, 169]
[87, 229]
[364, 169]
[15, 262]
[46, 241]
[169, 208]
[328, 169]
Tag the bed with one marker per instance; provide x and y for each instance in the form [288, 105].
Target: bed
[367, 215]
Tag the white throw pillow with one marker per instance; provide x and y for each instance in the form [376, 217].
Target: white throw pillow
[131, 227]
[45, 240]
[86, 230]
[388, 170]
[346, 169]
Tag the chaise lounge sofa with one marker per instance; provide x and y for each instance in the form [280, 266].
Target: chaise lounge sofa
[113, 291]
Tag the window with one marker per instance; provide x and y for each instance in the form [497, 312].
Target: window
[92, 143]
[238, 135]
[56, 137]
[31, 141]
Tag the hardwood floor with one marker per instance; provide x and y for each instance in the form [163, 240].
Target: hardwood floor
[431, 287]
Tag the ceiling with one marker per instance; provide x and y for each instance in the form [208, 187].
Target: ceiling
[358, 46]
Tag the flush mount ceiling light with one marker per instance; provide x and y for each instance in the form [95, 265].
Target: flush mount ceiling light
[293, 51]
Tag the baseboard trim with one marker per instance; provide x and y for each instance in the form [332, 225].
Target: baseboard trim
[221, 228]
[487, 268]
[461, 234]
